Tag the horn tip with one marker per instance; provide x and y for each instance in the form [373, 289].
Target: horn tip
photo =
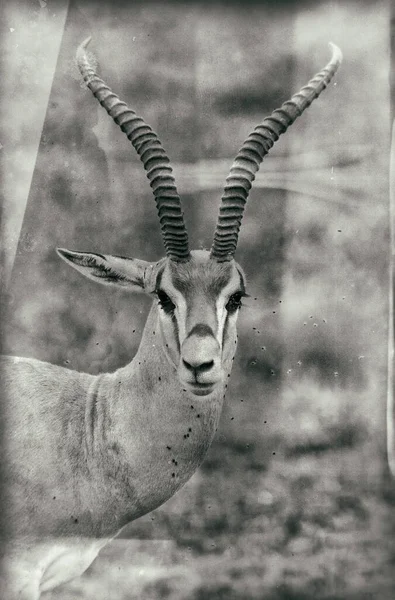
[82, 47]
[337, 54]
[86, 41]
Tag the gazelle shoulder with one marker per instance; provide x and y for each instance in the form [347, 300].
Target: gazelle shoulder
[33, 365]
[30, 372]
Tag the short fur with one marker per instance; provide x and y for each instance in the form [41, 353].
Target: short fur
[84, 454]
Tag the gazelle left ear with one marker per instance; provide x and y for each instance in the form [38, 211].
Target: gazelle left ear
[110, 270]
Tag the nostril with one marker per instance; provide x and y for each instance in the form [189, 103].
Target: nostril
[205, 366]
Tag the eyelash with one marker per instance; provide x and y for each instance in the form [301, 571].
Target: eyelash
[165, 302]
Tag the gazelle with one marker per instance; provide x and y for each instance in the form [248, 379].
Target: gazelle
[84, 454]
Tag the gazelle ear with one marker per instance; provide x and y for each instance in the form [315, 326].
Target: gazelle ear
[110, 270]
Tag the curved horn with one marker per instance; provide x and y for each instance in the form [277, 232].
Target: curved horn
[253, 151]
[153, 157]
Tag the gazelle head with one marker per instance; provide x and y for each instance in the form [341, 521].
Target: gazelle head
[199, 292]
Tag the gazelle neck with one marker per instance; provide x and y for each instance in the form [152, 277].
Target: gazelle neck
[155, 432]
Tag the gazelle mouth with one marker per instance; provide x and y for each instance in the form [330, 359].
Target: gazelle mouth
[201, 389]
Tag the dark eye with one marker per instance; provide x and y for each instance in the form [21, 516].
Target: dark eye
[165, 302]
[234, 302]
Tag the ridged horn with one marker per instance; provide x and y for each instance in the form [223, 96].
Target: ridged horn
[153, 157]
[253, 151]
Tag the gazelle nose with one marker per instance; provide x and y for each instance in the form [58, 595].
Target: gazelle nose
[200, 356]
[195, 367]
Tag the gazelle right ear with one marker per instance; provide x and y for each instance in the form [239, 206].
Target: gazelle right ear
[110, 270]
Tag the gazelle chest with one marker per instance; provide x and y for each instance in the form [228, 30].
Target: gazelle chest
[158, 446]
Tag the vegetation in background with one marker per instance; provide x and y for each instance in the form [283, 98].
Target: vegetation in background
[293, 501]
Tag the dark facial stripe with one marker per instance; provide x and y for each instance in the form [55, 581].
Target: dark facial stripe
[176, 332]
[242, 284]
[201, 330]
[159, 278]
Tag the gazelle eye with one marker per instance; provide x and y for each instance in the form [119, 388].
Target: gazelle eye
[165, 302]
[234, 302]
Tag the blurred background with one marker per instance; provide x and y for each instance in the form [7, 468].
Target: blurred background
[293, 500]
